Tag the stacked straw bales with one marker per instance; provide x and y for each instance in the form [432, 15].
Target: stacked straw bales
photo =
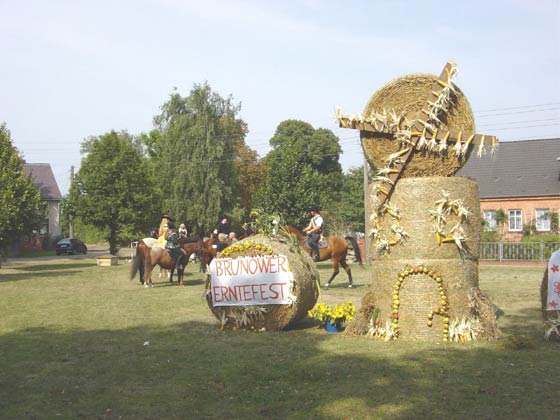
[422, 288]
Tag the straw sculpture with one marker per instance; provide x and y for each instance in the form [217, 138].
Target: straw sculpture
[424, 224]
[270, 317]
[551, 318]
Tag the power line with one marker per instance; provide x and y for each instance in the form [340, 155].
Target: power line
[519, 112]
[517, 107]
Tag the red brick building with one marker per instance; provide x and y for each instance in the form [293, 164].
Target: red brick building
[522, 183]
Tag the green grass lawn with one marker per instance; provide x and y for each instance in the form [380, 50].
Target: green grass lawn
[74, 345]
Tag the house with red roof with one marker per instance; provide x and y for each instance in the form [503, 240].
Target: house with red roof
[522, 182]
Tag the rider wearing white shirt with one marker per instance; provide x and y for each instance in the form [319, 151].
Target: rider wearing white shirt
[314, 231]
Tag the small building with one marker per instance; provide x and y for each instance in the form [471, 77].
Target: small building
[44, 180]
[522, 182]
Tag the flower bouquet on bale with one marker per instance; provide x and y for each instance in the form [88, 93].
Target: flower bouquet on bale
[335, 316]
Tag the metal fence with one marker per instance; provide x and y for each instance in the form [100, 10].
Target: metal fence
[517, 251]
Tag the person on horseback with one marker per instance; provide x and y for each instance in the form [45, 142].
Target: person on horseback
[314, 231]
[172, 244]
[163, 231]
[182, 231]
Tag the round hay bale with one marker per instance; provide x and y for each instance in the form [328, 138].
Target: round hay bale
[409, 94]
[270, 317]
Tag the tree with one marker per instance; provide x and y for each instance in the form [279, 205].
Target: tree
[350, 209]
[195, 156]
[21, 210]
[301, 169]
[111, 189]
[250, 171]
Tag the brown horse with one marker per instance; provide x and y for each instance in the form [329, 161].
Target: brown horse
[336, 251]
[147, 257]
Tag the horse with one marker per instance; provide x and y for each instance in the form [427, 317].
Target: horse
[336, 251]
[147, 257]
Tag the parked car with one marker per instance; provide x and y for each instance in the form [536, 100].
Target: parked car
[70, 246]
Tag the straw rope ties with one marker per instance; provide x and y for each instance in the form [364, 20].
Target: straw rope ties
[418, 132]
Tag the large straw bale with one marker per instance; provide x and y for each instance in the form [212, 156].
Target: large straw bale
[274, 317]
[409, 94]
[457, 268]
[414, 199]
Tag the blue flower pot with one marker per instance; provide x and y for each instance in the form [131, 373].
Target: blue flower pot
[331, 329]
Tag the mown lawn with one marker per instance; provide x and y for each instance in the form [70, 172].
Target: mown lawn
[79, 341]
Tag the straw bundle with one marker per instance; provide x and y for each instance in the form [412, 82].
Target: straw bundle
[409, 94]
[423, 288]
[415, 200]
[271, 317]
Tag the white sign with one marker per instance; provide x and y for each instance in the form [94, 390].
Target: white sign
[553, 297]
[244, 281]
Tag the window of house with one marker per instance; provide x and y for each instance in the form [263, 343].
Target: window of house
[542, 220]
[515, 223]
[45, 228]
[490, 219]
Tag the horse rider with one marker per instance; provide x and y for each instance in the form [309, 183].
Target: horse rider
[182, 231]
[314, 231]
[222, 226]
[172, 244]
[163, 231]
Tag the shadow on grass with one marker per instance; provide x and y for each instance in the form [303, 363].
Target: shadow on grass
[37, 271]
[53, 267]
[193, 370]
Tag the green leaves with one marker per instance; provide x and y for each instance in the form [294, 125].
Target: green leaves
[200, 134]
[302, 169]
[112, 190]
[21, 210]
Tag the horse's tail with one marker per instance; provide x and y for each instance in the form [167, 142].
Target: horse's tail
[135, 264]
[356, 248]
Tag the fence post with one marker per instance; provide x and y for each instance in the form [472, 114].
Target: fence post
[542, 251]
[501, 250]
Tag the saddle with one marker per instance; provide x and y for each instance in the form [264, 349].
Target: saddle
[176, 253]
[322, 242]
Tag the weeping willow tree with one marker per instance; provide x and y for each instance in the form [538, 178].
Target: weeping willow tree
[197, 147]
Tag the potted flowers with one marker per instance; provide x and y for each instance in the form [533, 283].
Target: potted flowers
[333, 317]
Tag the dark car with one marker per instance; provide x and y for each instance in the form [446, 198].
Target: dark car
[70, 246]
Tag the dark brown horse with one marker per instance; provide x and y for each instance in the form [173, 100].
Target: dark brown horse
[336, 251]
[148, 256]
[209, 252]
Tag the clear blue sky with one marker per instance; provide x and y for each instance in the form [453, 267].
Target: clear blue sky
[71, 69]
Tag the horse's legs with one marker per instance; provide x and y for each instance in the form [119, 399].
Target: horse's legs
[344, 265]
[148, 273]
[180, 273]
[336, 270]
[142, 271]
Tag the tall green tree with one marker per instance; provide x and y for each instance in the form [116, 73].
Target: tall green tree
[250, 171]
[301, 169]
[196, 154]
[21, 210]
[111, 189]
[350, 210]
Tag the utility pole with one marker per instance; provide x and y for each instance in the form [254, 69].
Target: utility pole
[70, 221]
[366, 208]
